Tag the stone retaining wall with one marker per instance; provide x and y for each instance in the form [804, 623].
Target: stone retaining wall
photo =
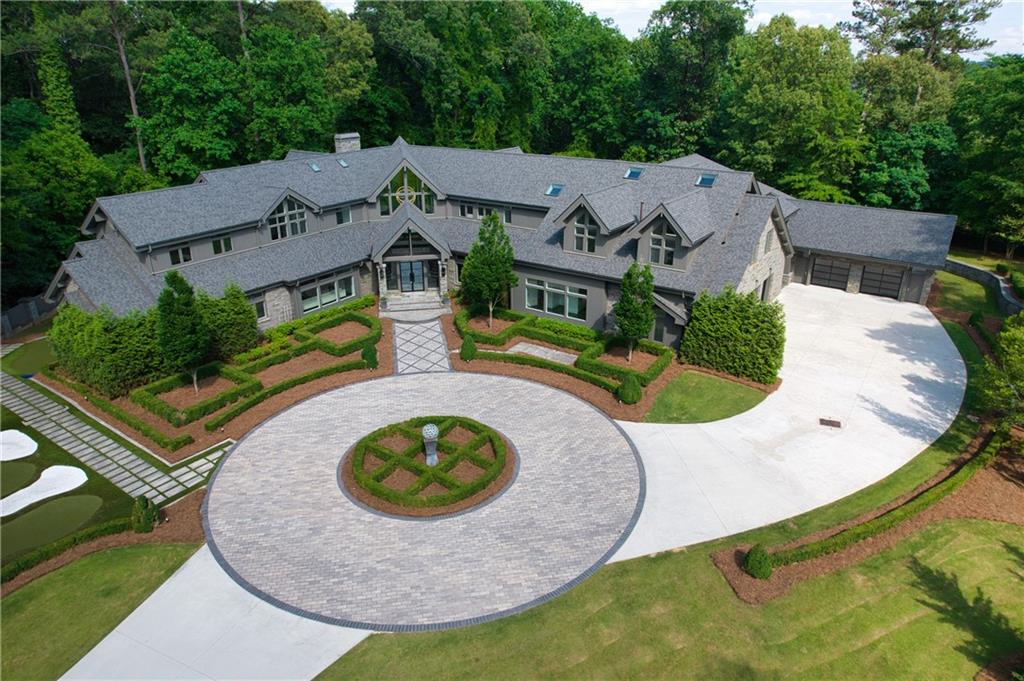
[1004, 296]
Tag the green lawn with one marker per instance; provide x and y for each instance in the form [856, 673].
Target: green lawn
[974, 361]
[987, 260]
[30, 358]
[97, 501]
[693, 397]
[16, 474]
[965, 295]
[931, 608]
[53, 622]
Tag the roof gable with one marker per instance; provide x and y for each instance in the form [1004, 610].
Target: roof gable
[405, 218]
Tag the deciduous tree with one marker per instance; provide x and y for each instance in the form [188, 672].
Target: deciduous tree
[634, 310]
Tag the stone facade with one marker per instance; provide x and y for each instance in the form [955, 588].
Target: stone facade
[767, 264]
[278, 302]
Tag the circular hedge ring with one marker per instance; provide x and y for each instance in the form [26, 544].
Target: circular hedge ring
[387, 469]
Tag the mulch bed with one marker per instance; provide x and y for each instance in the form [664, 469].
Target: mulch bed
[1002, 669]
[181, 523]
[245, 422]
[314, 359]
[364, 497]
[617, 356]
[344, 332]
[994, 493]
[480, 324]
[600, 398]
[186, 395]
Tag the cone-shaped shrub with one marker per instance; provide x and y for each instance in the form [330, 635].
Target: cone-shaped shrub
[757, 563]
[370, 356]
[467, 353]
[630, 391]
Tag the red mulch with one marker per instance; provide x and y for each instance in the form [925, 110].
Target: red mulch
[617, 356]
[995, 493]
[181, 523]
[245, 422]
[344, 332]
[314, 359]
[186, 395]
[480, 324]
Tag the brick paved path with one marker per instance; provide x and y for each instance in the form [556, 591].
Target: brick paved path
[104, 455]
[278, 521]
[420, 348]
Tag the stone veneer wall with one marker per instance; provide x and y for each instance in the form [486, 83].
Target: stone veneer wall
[773, 262]
[1007, 303]
[278, 302]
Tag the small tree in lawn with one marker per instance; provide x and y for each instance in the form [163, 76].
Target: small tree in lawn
[634, 311]
[487, 273]
[182, 335]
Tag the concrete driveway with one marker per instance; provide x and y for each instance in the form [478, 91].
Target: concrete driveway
[886, 370]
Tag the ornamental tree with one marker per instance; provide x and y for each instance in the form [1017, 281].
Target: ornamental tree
[182, 335]
[487, 272]
[634, 311]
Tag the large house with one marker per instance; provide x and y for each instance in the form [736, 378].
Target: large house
[314, 229]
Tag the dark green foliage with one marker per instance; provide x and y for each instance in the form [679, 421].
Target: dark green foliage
[145, 515]
[1002, 384]
[21, 119]
[757, 563]
[541, 363]
[892, 518]
[1017, 281]
[629, 391]
[29, 560]
[589, 360]
[486, 274]
[467, 353]
[369, 355]
[1002, 268]
[182, 334]
[634, 310]
[231, 321]
[736, 333]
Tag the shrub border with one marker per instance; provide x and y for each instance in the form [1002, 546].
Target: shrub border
[147, 396]
[29, 560]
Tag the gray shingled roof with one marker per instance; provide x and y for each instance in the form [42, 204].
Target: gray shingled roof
[696, 161]
[405, 214]
[895, 235]
[691, 213]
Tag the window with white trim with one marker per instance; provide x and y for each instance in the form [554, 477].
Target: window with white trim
[180, 255]
[663, 244]
[288, 219]
[343, 216]
[259, 303]
[222, 245]
[556, 299]
[319, 293]
[585, 233]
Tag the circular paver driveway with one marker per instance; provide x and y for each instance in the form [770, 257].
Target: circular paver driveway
[278, 522]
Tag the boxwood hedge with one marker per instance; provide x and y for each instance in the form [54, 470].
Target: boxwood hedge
[148, 398]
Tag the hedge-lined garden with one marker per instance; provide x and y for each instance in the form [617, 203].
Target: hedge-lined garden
[588, 343]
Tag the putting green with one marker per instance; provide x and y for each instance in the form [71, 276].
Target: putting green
[46, 523]
[14, 475]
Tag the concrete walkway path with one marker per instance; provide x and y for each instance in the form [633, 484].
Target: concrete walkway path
[886, 370]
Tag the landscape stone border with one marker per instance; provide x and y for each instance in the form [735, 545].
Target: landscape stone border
[440, 625]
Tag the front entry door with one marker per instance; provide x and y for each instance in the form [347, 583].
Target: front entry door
[410, 276]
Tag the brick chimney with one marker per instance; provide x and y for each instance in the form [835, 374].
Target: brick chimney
[346, 141]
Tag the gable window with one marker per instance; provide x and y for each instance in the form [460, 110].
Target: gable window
[768, 241]
[343, 216]
[181, 255]
[222, 245]
[553, 190]
[289, 218]
[406, 186]
[585, 233]
[318, 293]
[706, 180]
[556, 299]
[633, 173]
[663, 244]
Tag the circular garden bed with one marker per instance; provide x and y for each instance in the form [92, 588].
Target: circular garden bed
[387, 469]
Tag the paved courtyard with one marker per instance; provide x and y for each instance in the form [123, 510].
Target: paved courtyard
[420, 347]
[278, 520]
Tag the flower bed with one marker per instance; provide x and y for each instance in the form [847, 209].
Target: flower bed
[387, 469]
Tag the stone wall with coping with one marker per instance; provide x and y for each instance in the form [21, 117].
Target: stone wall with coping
[1008, 305]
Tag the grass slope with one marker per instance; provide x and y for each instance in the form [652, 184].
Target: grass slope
[909, 612]
[693, 397]
[984, 260]
[957, 293]
[53, 622]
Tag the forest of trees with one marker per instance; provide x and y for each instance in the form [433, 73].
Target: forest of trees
[107, 97]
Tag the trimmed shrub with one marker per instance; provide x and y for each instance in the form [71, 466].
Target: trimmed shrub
[231, 321]
[29, 560]
[1017, 282]
[282, 330]
[629, 391]
[530, 360]
[145, 515]
[369, 356]
[261, 351]
[147, 396]
[1002, 268]
[467, 353]
[738, 334]
[757, 563]
[589, 361]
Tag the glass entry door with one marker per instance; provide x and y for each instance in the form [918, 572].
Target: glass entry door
[410, 276]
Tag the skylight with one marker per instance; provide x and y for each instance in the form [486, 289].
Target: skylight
[343, 163]
[633, 173]
[554, 190]
[706, 180]
[315, 167]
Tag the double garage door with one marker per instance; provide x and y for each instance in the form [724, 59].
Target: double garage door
[875, 280]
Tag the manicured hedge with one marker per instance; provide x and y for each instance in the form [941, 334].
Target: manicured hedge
[462, 326]
[262, 350]
[309, 341]
[145, 515]
[231, 320]
[1017, 282]
[266, 393]
[168, 443]
[738, 334]
[888, 520]
[530, 360]
[286, 329]
[44, 553]
[589, 361]
[147, 396]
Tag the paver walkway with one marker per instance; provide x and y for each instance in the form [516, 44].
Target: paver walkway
[9, 348]
[543, 352]
[276, 517]
[109, 458]
[421, 348]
